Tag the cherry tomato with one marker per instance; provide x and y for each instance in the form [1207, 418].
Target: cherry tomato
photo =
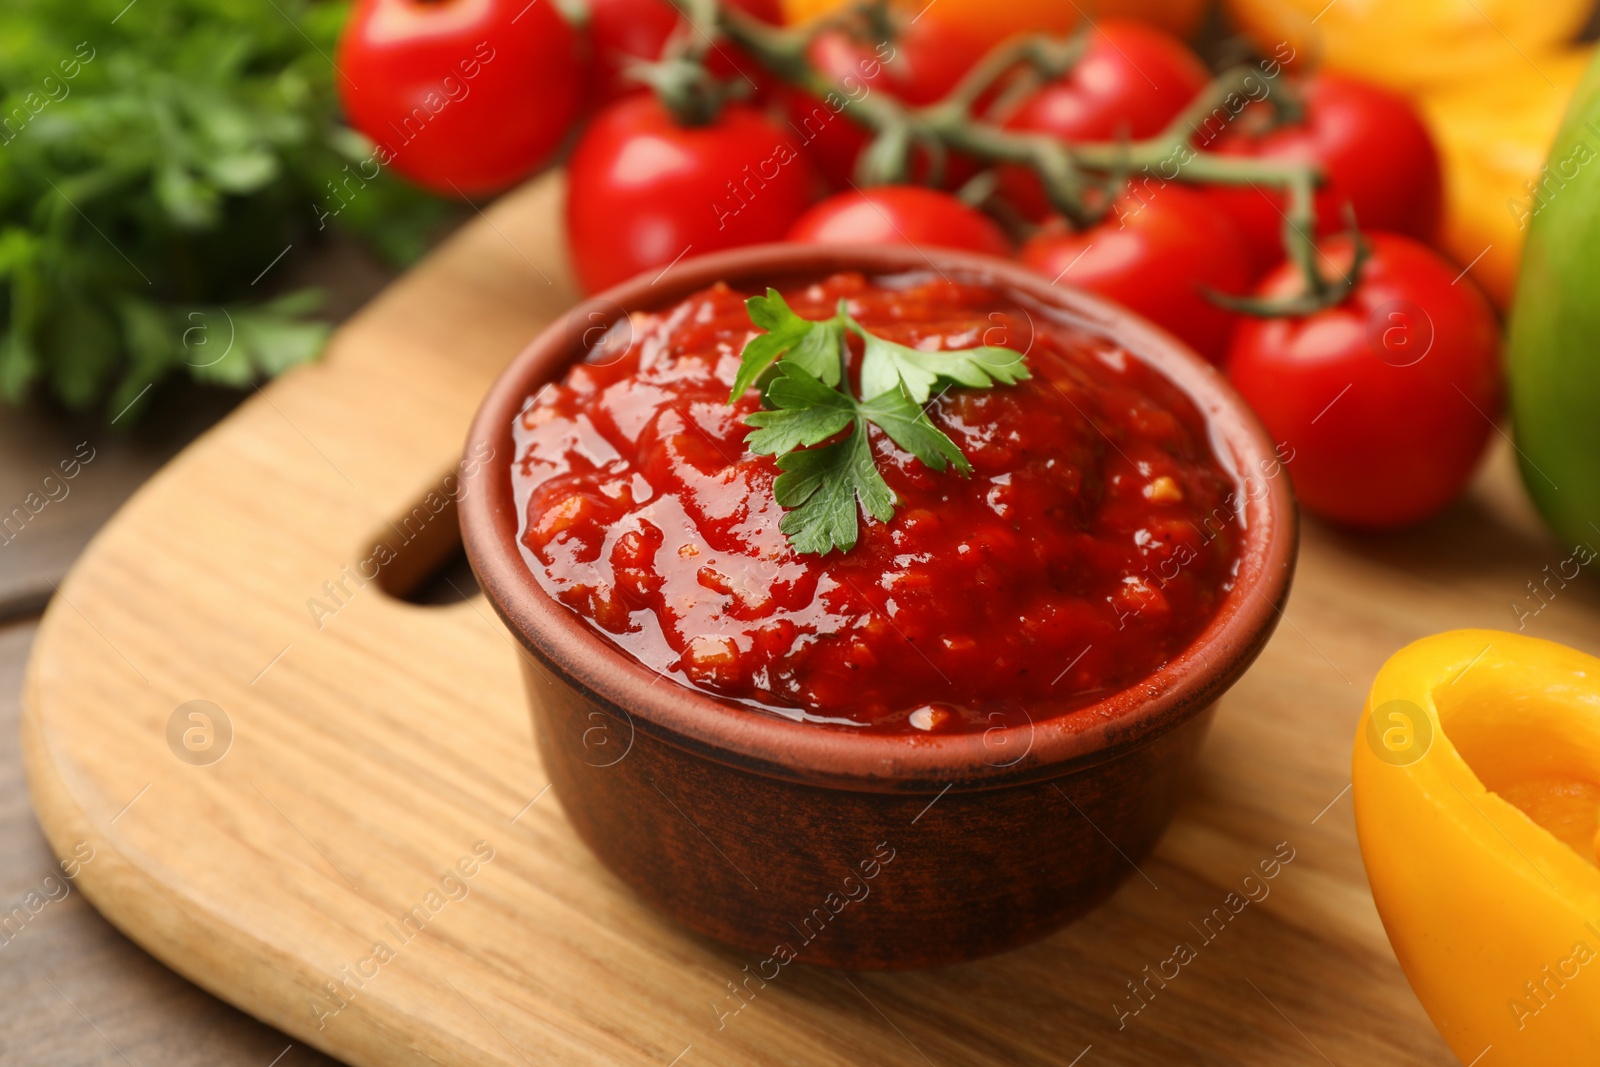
[1375, 151]
[460, 96]
[923, 64]
[1156, 252]
[1131, 82]
[900, 215]
[1386, 400]
[623, 32]
[643, 191]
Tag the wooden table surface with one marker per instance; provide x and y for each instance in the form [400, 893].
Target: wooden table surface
[73, 990]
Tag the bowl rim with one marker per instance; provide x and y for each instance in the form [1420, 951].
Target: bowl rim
[567, 645]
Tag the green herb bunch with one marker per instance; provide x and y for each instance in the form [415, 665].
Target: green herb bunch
[155, 157]
[799, 365]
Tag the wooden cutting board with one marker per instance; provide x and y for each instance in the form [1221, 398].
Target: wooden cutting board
[370, 746]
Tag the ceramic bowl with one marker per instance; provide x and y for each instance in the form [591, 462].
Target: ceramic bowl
[796, 842]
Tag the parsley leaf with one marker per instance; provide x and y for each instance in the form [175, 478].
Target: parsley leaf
[808, 413]
[814, 345]
[799, 365]
[822, 485]
[909, 427]
[884, 365]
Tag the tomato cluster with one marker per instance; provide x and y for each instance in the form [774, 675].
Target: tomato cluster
[1384, 392]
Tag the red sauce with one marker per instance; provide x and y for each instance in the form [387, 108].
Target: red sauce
[1093, 541]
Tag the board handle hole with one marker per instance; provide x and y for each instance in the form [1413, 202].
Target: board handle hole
[427, 565]
[449, 583]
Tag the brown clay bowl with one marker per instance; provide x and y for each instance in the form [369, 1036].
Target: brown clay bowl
[790, 840]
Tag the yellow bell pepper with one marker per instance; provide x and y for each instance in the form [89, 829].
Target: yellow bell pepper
[1477, 803]
[1493, 133]
[1407, 44]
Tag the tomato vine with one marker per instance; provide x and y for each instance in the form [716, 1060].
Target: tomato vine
[1081, 180]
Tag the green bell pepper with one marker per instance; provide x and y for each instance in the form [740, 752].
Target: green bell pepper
[1553, 351]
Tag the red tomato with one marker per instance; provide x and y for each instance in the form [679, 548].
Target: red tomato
[1376, 153]
[623, 32]
[1156, 252]
[461, 96]
[1385, 400]
[643, 191]
[920, 67]
[1131, 82]
[900, 215]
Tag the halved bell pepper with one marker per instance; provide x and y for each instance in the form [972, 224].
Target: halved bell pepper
[1409, 44]
[1494, 132]
[1477, 803]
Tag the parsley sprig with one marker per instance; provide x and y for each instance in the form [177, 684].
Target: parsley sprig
[154, 159]
[807, 398]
